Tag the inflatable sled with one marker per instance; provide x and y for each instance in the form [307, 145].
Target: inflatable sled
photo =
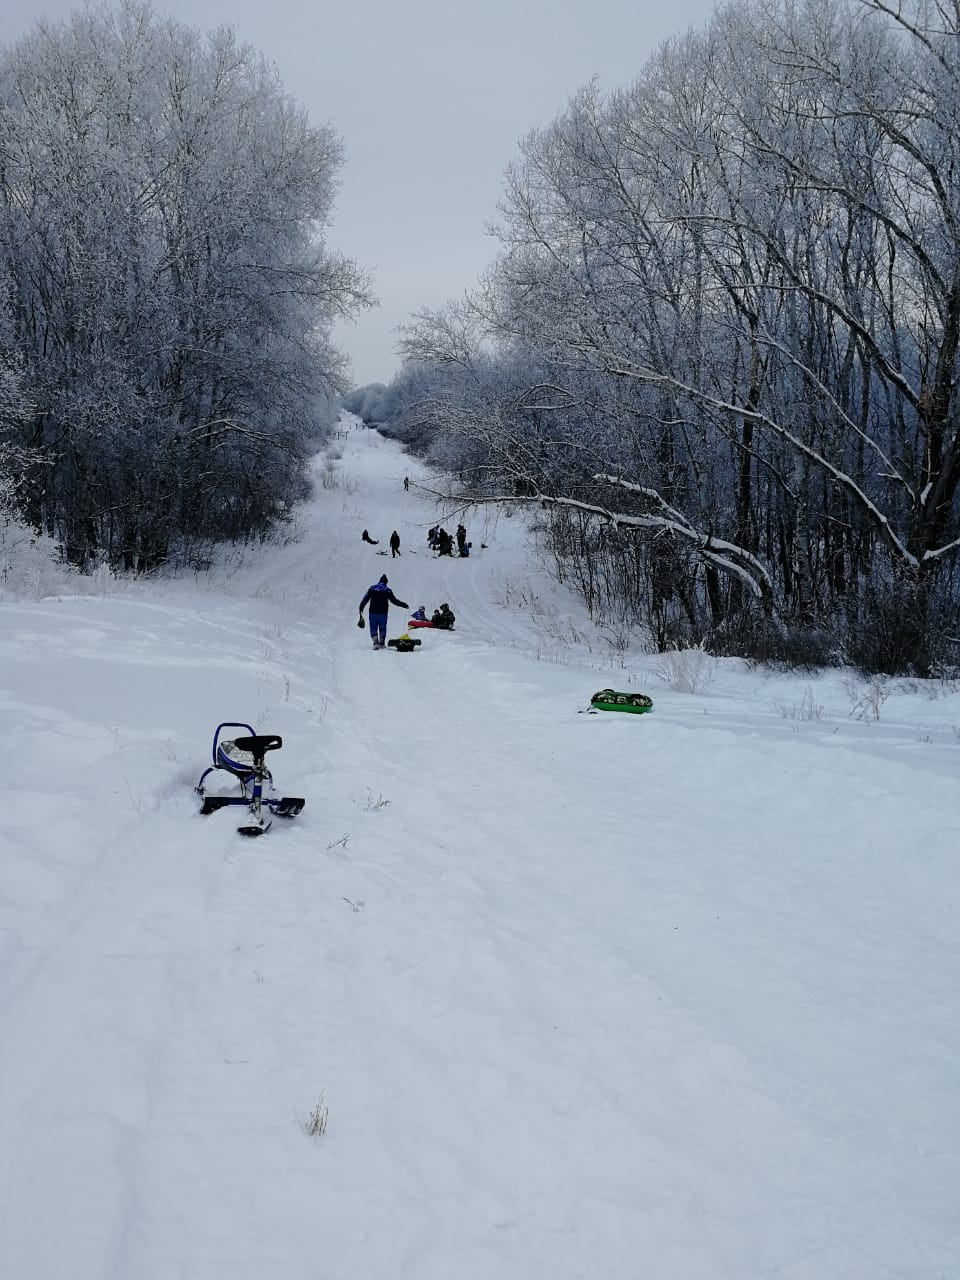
[611, 700]
[418, 622]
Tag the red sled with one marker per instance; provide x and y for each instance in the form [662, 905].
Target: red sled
[415, 622]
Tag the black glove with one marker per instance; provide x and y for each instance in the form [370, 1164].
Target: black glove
[360, 621]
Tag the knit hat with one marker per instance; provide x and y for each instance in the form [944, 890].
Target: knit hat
[383, 577]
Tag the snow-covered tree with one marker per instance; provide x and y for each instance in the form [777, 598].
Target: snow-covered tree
[740, 280]
[163, 216]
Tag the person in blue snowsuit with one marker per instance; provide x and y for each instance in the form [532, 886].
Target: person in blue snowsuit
[380, 598]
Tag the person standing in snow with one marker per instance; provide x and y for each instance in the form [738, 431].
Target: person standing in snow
[406, 484]
[394, 543]
[380, 598]
[444, 543]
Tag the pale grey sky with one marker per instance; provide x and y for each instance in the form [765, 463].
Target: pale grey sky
[431, 100]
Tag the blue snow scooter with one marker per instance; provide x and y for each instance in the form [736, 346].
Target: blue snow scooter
[243, 758]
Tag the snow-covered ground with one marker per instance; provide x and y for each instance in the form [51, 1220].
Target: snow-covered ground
[659, 997]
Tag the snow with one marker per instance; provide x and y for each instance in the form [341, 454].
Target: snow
[670, 996]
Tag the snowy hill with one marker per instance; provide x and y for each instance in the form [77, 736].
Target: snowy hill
[660, 997]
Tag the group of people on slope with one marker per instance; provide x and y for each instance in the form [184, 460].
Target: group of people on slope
[443, 618]
[440, 541]
[375, 542]
[380, 597]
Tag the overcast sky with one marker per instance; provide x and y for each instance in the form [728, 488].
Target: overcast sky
[431, 100]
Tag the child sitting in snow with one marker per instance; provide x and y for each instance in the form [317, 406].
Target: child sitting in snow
[444, 617]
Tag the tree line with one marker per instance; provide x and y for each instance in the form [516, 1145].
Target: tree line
[166, 290]
[720, 341]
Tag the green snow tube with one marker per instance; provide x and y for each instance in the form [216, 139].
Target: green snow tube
[611, 700]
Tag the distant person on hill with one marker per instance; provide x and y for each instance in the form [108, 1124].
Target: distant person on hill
[406, 483]
[380, 598]
[366, 538]
[432, 535]
[394, 543]
[461, 538]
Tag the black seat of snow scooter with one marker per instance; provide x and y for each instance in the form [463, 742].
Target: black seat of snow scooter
[259, 744]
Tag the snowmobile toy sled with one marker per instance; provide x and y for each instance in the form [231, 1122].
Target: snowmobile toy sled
[611, 700]
[243, 759]
[403, 644]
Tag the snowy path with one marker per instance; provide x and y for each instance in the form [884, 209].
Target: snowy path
[671, 997]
